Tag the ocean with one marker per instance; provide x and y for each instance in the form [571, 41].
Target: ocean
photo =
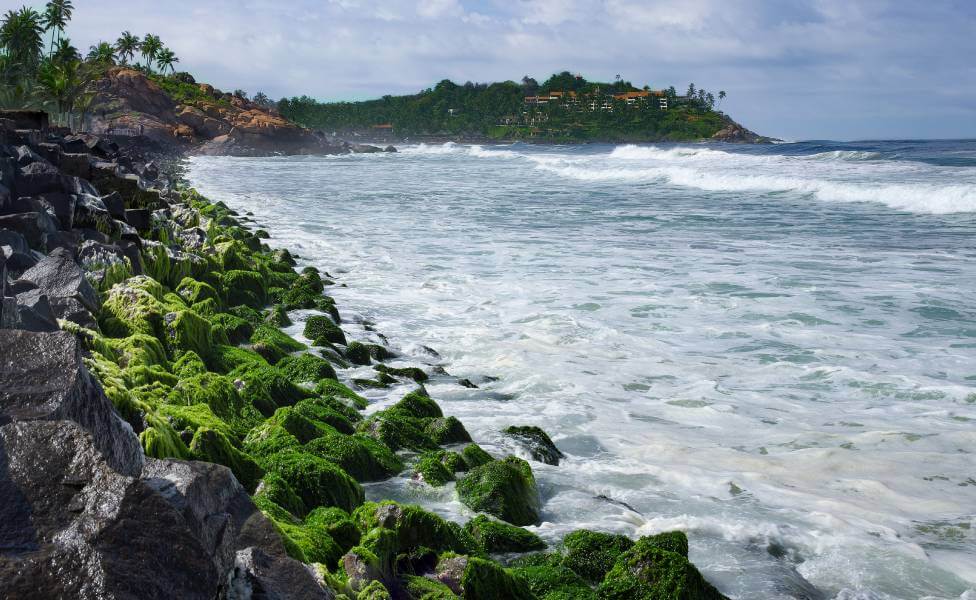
[772, 347]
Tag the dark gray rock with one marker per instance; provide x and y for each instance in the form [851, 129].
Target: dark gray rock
[34, 312]
[43, 378]
[70, 309]
[25, 156]
[115, 205]
[69, 240]
[537, 442]
[60, 277]
[217, 508]
[39, 178]
[17, 260]
[90, 213]
[102, 261]
[76, 528]
[33, 226]
[78, 165]
[63, 206]
[130, 247]
[257, 575]
[193, 238]
[138, 218]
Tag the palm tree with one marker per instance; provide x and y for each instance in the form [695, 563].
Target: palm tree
[21, 37]
[165, 59]
[64, 52]
[150, 47]
[126, 46]
[103, 53]
[61, 84]
[57, 13]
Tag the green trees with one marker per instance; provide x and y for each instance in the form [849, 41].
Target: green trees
[57, 13]
[21, 38]
[127, 45]
[150, 48]
[166, 59]
[102, 53]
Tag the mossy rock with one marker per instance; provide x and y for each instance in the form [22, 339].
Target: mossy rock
[306, 368]
[397, 431]
[417, 404]
[277, 316]
[370, 384]
[160, 440]
[195, 416]
[306, 541]
[236, 329]
[187, 331]
[232, 255]
[188, 365]
[649, 571]
[338, 524]
[316, 481]
[272, 343]
[422, 588]
[213, 446]
[357, 353]
[362, 457]
[276, 491]
[335, 389]
[503, 488]
[193, 291]
[225, 359]
[252, 316]
[414, 373]
[374, 591]
[264, 384]
[244, 288]
[537, 442]
[432, 470]
[486, 580]
[415, 527]
[475, 456]
[319, 327]
[270, 438]
[206, 308]
[590, 554]
[142, 376]
[135, 306]
[221, 395]
[553, 582]
[321, 411]
[447, 430]
[495, 536]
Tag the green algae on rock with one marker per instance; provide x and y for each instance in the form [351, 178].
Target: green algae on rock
[591, 553]
[496, 536]
[502, 488]
[537, 441]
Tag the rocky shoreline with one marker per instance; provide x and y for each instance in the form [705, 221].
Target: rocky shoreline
[162, 437]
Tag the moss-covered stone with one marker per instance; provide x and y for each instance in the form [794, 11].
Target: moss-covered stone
[369, 384]
[275, 490]
[277, 316]
[316, 481]
[264, 385]
[495, 536]
[422, 588]
[537, 442]
[193, 291]
[485, 580]
[272, 343]
[553, 582]
[475, 456]
[195, 416]
[188, 365]
[374, 591]
[503, 488]
[221, 395]
[225, 359]
[335, 389]
[243, 287]
[270, 438]
[590, 554]
[338, 524]
[415, 527]
[306, 368]
[357, 353]
[414, 373]
[135, 305]
[319, 327]
[187, 331]
[362, 457]
[321, 411]
[160, 440]
[649, 571]
[307, 541]
[417, 404]
[213, 446]
[447, 430]
[236, 329]
[397, 431]
[431, 469]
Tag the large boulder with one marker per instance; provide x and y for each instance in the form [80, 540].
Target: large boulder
[59, 276]
[74, 527]
[502, 488]
[42, 378]
[257, 574]
[33, 226]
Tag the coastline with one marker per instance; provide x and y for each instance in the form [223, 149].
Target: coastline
[169, 336]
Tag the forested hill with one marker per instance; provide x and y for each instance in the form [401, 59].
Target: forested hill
[565, 107]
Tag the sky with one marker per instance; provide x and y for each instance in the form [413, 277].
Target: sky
[793, 69]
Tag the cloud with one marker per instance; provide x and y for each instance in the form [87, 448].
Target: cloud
[797, 69]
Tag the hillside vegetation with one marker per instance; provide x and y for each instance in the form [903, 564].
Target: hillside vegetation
[565, 107]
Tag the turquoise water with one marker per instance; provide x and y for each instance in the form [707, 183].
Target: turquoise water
[769, 347]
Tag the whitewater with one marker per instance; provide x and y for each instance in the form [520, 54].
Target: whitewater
[772, 347]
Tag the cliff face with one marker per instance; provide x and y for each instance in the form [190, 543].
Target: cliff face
[207, 120]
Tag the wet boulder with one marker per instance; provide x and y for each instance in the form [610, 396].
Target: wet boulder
[257, 574]
[502, 488]
[33, 226]
[38, 178]
[33, 313]
[69, 309]
[90, 213]
[44, 379]
[77, 528]
[537, 442]
[114, 205]
[59, 276]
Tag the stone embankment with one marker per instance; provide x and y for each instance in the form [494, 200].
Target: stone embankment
[162, 437]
